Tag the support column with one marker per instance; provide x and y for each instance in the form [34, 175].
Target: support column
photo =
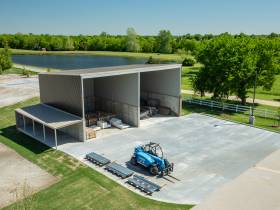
[55, 138]
[44, 132]
[33, 127]
[24, 126]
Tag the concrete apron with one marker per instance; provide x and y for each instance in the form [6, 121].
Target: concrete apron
[256, 189]
[207, 153]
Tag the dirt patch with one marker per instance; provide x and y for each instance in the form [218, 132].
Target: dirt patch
[17, 175]
[16, 88]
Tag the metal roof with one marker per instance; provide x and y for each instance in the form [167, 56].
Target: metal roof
[114, 70]
[49, 116]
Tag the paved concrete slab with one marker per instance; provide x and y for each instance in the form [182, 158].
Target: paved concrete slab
[255, 189]
[207, 152]
[270, 163]
[19, 177]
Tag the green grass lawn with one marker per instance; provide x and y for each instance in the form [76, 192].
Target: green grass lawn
[79, 186]
[273, 94]
[187, 74]
[260, 106]
[166, 57]
[261, 122]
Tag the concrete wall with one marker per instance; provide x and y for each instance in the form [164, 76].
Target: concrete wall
[122, 92]
[76, 131]
[89, 102]
[63, 92]
[163, 85]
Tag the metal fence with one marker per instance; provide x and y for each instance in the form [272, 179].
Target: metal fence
[265, 113]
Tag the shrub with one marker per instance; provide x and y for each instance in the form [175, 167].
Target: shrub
[152, 61]
[5, 59]
[25, 73]
[188, 61]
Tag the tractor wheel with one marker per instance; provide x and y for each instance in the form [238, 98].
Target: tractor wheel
[153, 170]
[133, 161]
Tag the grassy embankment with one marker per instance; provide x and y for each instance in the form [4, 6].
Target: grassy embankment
[273, 94]
[79, 187]
[166, 57]
[19, 71]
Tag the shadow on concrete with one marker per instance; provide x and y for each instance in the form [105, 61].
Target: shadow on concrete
[138, 169]
[12, 134]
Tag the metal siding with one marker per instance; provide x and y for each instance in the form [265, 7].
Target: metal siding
[115, 70]
[63, 92]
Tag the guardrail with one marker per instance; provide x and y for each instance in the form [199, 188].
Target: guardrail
[265, 113]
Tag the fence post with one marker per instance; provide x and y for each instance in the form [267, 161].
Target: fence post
[211, 104]
[236, 108]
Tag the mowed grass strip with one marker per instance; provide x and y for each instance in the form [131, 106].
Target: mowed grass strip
[269, 124]
[79, 187]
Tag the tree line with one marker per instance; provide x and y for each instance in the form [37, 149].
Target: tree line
[164, 42]
[233, 65]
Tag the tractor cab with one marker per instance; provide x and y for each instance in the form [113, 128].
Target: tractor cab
[153, 149]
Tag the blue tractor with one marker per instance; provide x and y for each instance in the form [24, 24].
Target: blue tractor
[151, 157]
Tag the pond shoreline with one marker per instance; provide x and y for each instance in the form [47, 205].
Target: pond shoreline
[162, 57]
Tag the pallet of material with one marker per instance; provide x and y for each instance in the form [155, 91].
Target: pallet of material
[119, 170]
[97, 159]
[143, 184]
[90, 133]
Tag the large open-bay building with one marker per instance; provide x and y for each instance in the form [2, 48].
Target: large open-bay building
[71, 99]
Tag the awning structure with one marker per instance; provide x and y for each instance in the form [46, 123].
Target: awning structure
[45, 115]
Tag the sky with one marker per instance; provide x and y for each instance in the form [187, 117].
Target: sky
[147, 17]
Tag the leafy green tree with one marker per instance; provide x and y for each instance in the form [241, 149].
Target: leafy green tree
[5, 60]
[69, 44]
[132, 44]
[164, 41]
[151, 60]
[147, 44]
[232, 63]
[200, 82]
[188, 61]
[56, 43]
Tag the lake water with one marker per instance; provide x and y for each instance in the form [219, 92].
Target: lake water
[66, 62]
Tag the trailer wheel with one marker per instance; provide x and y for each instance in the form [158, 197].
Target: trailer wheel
[153, 170]
[133, 161]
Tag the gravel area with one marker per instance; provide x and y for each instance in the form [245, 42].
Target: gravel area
[16, 88]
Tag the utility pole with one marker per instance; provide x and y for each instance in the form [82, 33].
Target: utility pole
[252, 117]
